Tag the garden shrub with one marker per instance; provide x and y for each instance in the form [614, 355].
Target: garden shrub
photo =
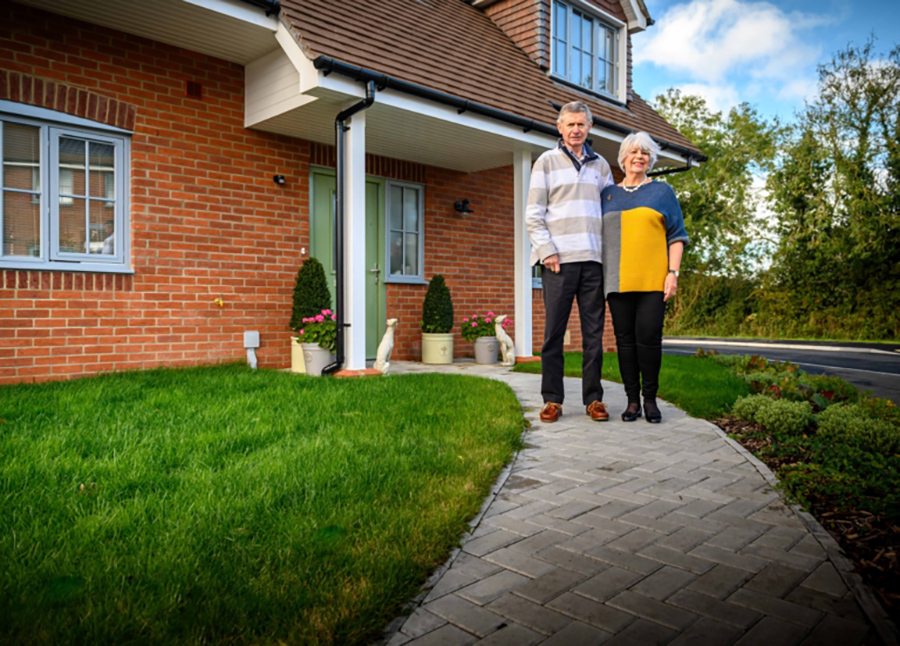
[764, 379]
[783, 417]
[838, 389]
[851, 424]
[747, 407]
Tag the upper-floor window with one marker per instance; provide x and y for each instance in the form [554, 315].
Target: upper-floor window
[62, 195]
[585, 49]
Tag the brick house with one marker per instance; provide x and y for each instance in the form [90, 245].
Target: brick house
[169, 164]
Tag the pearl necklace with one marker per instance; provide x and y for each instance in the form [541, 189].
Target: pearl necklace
[632, 189]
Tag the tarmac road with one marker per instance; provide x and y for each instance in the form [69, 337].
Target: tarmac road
[868, 366]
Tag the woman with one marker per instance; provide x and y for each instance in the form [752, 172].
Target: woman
[643, 240]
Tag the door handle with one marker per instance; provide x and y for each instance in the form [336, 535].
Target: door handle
[375, 271]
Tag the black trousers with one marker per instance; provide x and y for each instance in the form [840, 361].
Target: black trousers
[638, 323]
[582, 281]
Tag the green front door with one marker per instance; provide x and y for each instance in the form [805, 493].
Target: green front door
[322, 247]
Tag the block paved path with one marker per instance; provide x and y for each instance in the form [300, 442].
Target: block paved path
[633, 533]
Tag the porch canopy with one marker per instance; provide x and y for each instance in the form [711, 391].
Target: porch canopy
[452, 91]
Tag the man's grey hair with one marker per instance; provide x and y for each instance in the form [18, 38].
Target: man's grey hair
[643, 141]
[575, 107]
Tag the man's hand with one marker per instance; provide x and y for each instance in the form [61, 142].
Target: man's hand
[552, 263]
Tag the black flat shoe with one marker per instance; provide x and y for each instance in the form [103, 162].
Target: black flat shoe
[631, 413]
[651, 412]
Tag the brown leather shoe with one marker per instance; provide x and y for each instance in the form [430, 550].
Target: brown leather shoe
[551, 412]
[597, 411]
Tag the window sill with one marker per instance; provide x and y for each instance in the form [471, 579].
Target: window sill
[405, 280]
[609, 98]
[78, 267]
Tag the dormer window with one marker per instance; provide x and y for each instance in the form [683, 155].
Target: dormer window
[585, 48]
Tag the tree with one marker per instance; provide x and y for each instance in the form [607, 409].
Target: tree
[836, 196]
[717, 199]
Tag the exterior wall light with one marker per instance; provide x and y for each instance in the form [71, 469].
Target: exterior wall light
[463, 207]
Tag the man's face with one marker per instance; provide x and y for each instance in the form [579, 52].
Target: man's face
[574, 127]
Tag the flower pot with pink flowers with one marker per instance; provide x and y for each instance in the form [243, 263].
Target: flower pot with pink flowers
[479, 328]
[318, 337]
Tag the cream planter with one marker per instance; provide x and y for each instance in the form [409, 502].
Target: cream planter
[486, 349]
[437, 348]
[316, 358]
[297, 363]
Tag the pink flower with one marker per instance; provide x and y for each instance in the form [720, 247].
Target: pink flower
[474, 324]
[334, 317]
[326, 312]
[465, 320]
[487, 320]
[475, 316]
[320, 318]
[490, 313]
[302, 332]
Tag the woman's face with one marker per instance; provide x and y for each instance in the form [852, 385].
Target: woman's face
[636, 161]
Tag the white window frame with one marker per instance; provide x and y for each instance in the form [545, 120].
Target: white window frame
[54, 125]
[599, 19]
[419, 277]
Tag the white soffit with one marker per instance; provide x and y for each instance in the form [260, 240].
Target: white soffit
[227, 29]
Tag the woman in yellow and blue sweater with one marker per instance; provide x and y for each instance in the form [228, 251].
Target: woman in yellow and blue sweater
[643, 241]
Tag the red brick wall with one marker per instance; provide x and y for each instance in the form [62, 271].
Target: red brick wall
[207, 221]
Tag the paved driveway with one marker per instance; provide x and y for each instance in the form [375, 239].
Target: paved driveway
[632, 533]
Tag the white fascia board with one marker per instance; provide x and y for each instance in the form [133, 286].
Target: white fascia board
[239, 11]
[637, 15]
[393, 98]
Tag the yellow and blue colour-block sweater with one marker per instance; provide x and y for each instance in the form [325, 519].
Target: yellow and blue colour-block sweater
[638, 228]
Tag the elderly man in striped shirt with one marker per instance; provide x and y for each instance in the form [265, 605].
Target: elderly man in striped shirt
[563, 219]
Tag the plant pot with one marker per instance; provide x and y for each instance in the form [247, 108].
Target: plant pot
[486, 349]
[316, 358]
[437, 348]
[298, 365]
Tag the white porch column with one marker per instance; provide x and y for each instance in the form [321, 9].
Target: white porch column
[523, 322]
[355, 242]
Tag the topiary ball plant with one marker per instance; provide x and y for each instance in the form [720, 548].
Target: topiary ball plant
[311, 294]
[437, 308]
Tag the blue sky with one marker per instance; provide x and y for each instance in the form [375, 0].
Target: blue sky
[764, 53]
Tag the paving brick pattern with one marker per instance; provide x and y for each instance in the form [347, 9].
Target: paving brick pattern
[632, 533]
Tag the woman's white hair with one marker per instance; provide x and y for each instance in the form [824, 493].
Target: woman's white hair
[640, 140]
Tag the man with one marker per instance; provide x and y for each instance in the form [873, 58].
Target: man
[564, 223]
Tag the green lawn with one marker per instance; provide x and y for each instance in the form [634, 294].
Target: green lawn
[699, 387]
[222, 505]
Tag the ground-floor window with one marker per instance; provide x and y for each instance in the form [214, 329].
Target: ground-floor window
[63, 193]
[405, 207]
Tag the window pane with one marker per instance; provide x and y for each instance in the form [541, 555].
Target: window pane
[559, 23]
[396, 252]
[72, 234]
[576, 30]
[411, 261]
[21, 156]
[102, 163]
[411, 209]
[611, 79]
[601, 75]
[586, 26]
[576, 67]
[396, 207]
[21, 225]
[102, 228]
[559, 59]
[610, 45]
[71, 167]
[586, 79]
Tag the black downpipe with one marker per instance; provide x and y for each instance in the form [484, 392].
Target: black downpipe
[340, 129]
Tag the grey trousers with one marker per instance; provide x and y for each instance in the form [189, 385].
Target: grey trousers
[582, 281]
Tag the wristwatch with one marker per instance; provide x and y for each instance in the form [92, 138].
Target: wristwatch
[674, 271]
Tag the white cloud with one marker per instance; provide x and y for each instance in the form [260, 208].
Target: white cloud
[710, 39]
[719, 98]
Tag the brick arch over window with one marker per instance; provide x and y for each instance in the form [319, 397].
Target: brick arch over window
[43, 93]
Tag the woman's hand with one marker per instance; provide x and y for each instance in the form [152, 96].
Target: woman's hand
[670, 286]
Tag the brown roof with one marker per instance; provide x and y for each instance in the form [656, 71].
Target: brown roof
[451, 47]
